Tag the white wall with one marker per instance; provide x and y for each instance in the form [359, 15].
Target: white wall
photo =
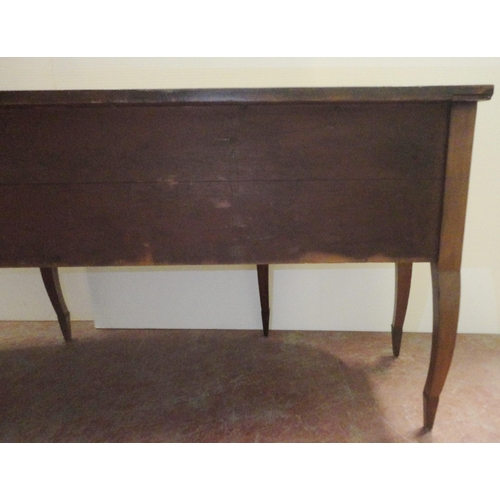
[323, 297]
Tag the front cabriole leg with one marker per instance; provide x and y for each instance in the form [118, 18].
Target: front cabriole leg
[446, 269]
[446, 301]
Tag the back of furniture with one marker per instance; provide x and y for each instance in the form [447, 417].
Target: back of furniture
[267, 176]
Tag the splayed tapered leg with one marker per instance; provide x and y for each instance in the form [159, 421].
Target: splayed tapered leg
[263, 277]
[403, 283]
[446, 299]
[50, 276]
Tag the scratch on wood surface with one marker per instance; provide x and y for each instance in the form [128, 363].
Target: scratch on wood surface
[222, 204]
[147, 257]
[322, 258]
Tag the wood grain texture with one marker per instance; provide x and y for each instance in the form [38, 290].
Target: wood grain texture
[68, 145]
[219, 223]
[226, 184]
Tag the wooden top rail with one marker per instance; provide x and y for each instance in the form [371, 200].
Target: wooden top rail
[254, 95]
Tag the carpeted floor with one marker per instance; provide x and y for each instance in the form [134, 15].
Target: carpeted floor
[237, 386]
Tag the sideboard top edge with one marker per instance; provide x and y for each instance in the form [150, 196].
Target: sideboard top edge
[245, 95]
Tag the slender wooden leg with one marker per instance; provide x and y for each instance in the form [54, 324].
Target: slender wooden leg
[403, 283]
[446, 299]
[263, 277]
[50, 276]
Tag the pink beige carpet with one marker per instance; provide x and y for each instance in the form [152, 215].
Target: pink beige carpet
[237, 386]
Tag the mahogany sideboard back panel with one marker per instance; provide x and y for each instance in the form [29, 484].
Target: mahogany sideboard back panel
[233, 176]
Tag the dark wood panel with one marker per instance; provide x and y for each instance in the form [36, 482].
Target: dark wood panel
[345, 141]
[222, 142]
[107, 144]
[219, 223]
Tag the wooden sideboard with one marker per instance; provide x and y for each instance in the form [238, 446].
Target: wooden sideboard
[253, 176]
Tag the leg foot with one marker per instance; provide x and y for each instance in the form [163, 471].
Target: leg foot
[430, 409]
[50, 278]
[263, 278]
[397, 335]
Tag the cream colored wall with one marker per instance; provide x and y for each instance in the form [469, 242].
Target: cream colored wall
[337, 297]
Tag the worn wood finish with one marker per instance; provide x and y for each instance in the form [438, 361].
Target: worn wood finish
[402, 294]
[50, 276]
[219, 222]
[243, 176]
